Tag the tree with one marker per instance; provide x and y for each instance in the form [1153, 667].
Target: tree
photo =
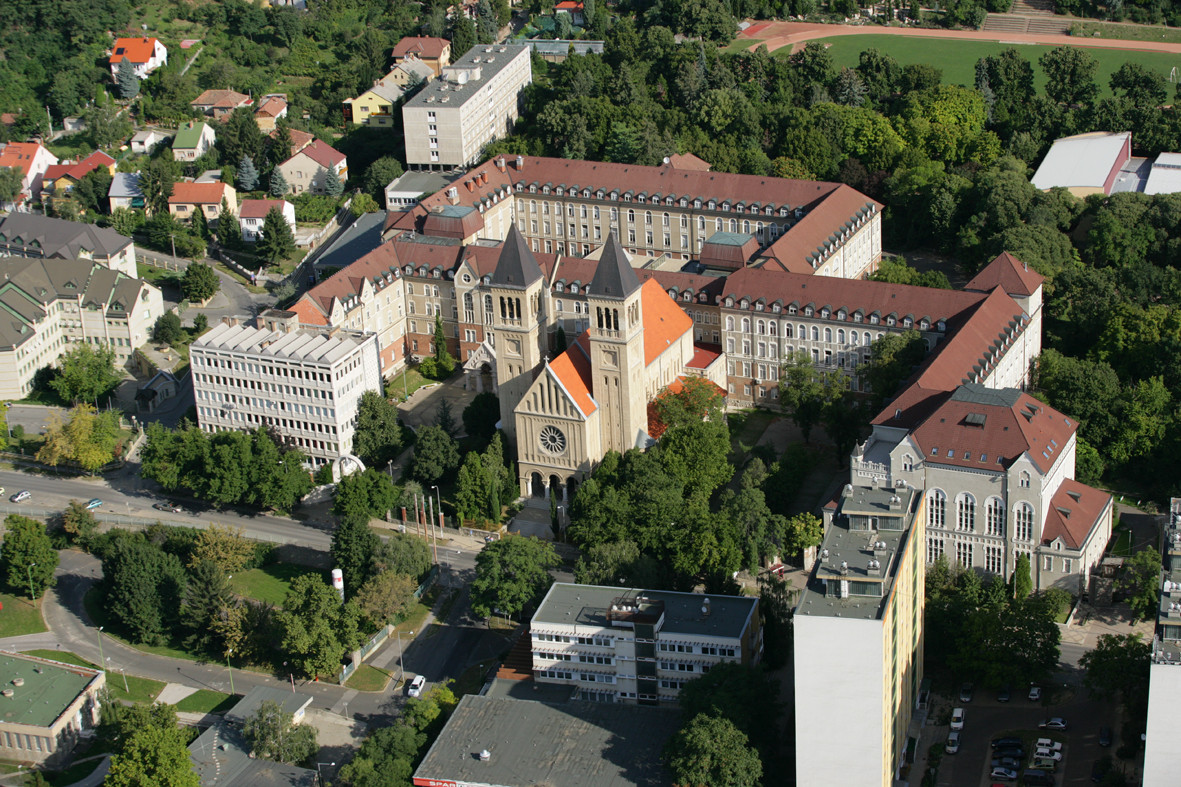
[444, 361]
[1070, 75]
[28, 559]
[463, 34]
[87, 438]
[435, 455]
[167, 328]
[79, 522]
[710, 751]
[743, 695]
[156, 181]
[200, 325]
[85, 373]
[776, 605]
[697, 399]
[126, 81]
[403, 554]
[317, 630]
[480, 417]
[380, 174]
[364, 496]
[145, 586]
[225, 546]
[386, 596]
[378, 436]
[386, 757]
[105, 125]
[229, 229]
[444, 419]
[247, 174]
[277, 241]
[1142, 581]
[891, 360]
[803, 531]
[273, 735]
[10, 183]
[240, 137]
[353, 545]
[152, 749]
[199, 283]
[511, 574]
[1119, 663]
[331, 182]
[277, 184]
[207, 596]
[1022, 578]
[808, 391]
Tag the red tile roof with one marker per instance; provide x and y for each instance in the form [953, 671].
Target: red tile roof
[572, 370]
[421, 46]
[272, 107]
[80, 169]
[197, 193]
[688, 160]
[1073, 512]
[221, 99]
[664, 321]
[1010, 274]
[320, 152]
[800, 249]
[259, 208]
[703, 356]
[19, 155]
[316, 304]
[137, 50]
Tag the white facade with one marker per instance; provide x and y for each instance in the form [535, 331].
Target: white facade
[146, 55]
[306, 384]
[252, 224]
[1162, 754]
[187, 146]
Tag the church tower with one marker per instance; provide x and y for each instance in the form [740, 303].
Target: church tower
[617, 349]
[519, 319]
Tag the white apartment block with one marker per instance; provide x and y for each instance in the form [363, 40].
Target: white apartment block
[306, 384]
[638, 646]
[54, 304]
[1162, 755]
[475, 101]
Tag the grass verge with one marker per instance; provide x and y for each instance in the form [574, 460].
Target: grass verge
[20, 616]
[137, 689]
[268, 584]
[92, 601]
[207, 701]
[1125, 32]
[368, 678]
[401, 386]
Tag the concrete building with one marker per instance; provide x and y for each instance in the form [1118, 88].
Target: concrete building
[48, 707]
[146, 55]
[434, 52]
[221, 755]
[192, 141]
[53, 303]
[638, 646]
[1162, 755]
[306, 384]
[475, 101]
[1085, 163]
[40, 237]
[252, 215]
[858, 641]
[307, 169]
[404, 191]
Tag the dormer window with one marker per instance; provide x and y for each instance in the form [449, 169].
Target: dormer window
[776, 308]
[891, 320]
[684, 202]
[713, 205]
[532, 188]
[792, 309]
[545, 189]
[941, 325]
[701, 298]
[824, 313]
[841, 315]
[697, 204]
[874, 319]
[729, 303]
[573, 289]
[807, 311]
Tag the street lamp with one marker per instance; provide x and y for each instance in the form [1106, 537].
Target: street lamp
[439, 500]
[29, 568]
[123, 673]
[390, 466]
[401, 666]
[321, 775]
[290, 675]
[231, 670]
[100, 646]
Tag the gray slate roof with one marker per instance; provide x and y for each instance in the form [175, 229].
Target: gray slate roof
[125, 184]
[57, 237]
[517, 267]
[614, 276]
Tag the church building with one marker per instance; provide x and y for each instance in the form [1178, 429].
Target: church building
[565, 413]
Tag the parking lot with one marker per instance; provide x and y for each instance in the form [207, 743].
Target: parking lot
[986, 718]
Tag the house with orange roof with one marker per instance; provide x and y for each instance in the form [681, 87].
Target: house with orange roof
[189, 198]
[218, 104]
[434, 52]
[60, 179]
[146, 55]
[271, 108]
[308, 168]
[33, 160]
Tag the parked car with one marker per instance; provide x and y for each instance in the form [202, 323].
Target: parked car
[957, 719]
[1037, 777]
[1016, 752]
[1043, 764]
[171, 508]
[1004, 694]
[966, 692]
[1056, 723]
[1035, 693]
[416, 685]
[21, 496]
[1001, 743]
[953, 743]
[1048, 754]
[1005, 774]
[93, 503]
[1105, 736]
[1006, 762]
[1047, 743]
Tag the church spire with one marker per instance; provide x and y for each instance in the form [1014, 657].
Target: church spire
[516, 267]
[614, 276]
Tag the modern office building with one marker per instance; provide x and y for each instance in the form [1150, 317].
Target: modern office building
[638, 646]
[48, 707]
[858, 641]
[475, 100]
[305, 384]
[39, 237]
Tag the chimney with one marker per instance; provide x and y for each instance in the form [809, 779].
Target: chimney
[483, 177]
[469, 185]
[500, 164]
[453, 195]
[520, 163]
[230, 321]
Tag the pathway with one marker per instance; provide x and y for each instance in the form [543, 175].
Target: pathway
[777, 35]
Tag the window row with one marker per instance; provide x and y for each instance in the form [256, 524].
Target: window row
[994, 515]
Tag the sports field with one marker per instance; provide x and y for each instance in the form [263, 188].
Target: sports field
[957, 58]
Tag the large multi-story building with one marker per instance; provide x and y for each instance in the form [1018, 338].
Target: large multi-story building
[474, 101]
[40, 237]
[53, 304]
[48, 707]
[638, 646]
[858, 641]
[305, 384]
[1162, 756]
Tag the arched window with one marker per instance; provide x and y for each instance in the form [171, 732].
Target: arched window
[729, 323]
[1024, 479]
[773, 328]
[841, 336]
[868, 341]
[647, 217]
[631, 216]
[828, 335]
[907, 462]
[853, 338]
[761, 327]
[965, 512]
[803, 334]
[936, 508]
[787, 333]
[733, 225]
[1023, 521]
[746, 325]
[815, 334]
[995, 516]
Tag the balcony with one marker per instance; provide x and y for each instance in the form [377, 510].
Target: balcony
[872, 470]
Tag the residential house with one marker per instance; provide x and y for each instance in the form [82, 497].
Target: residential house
[306, 170]
[573, 8]
[299, 139]
[125, 192]
[475, 101]
[146, 55]
[218, 104]
[253, 213]
[144, 142]
[192, 141]
[33, 159]
[375, 107]
[410, 73]
[188, 198]
[60, 179]
[270, 110]
[40, 237]
[49, 707]
[53, 304]
[304, 383]
[434, 52]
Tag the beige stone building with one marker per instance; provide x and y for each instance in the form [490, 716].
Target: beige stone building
[48, 706]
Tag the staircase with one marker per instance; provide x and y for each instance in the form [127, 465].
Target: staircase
[1028, 16]
[518, 665]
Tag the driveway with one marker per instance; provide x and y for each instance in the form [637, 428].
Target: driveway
[423, 406]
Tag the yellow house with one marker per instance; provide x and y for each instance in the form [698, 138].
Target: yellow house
[60, 179]
[375, 107]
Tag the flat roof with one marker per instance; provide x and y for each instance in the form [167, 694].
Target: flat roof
[288, 701]
[419, 182]
[48, 688]
[1165, 175]
[1082, 160]
[448, 91]
[353, 242]
[573, 744]
[589, 605]
[845, 553]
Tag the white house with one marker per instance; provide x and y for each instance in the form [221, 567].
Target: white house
[146, 55]
[253, 213]
[192, 141]
[146, 141]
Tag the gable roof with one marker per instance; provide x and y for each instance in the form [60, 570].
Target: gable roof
[80, 169]
[688, 160]
[59, 237]
[259, 208]
[415, 68]
[125, 184]
[664, 320]
[198, 193]
[272, 107]
[516, 267]
[421, 46]
[188, 136]
[137, 50]
[1073, 512]
[572, 370]
[320, 152]
[1010, 274]
[221, 99]
[614, 275]
[19, 155]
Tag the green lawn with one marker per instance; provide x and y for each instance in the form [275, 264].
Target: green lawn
[207, 701]
[402, 385]
[957, 58]
[368, 678]
[138, 689]
[20, 616]
[1123, 544]
[269, 583]
[161, 277]
[1125, 32]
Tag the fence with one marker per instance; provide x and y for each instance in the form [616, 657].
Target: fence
[160, 260]
[252, 276]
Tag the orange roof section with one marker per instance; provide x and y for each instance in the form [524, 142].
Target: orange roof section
[664, 321]
[259, 208]
[422, 46]
[1009, 273]
[1072, 513]
[137, 50]
[573, 373]
[19, 155]
[197, 193]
